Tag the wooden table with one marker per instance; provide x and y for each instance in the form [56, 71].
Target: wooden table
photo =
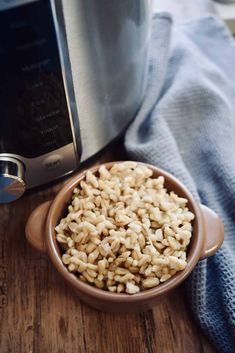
[40, 314]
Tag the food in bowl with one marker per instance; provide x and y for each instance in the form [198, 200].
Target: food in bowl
[124, 231]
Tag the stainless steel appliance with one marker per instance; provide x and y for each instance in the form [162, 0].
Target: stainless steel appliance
[72, 76]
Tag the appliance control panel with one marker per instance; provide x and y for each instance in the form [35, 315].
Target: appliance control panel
[35, 117]
[33, 107]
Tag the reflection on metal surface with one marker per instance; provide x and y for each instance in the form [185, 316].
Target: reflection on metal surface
[8, 4]
[12, 184]
[67, 75]
[108, 47]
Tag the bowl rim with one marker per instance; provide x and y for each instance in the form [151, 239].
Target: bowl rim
[97, 293]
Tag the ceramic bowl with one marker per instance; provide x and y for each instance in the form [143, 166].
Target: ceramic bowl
[206, 239]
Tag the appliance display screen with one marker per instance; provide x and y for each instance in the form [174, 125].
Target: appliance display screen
[34, 117]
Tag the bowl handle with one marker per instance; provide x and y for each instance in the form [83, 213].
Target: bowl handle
[35, 227]
[213, 232]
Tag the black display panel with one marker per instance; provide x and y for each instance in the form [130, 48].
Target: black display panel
[34, 117]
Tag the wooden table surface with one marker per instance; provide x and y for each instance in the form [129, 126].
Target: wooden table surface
[40, 314]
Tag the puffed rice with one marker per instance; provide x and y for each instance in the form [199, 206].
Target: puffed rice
[124, 232]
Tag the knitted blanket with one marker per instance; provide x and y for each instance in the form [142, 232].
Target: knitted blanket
[186, 125]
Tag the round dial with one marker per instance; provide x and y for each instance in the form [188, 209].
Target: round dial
[12, 184]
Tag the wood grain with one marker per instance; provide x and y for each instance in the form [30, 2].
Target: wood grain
[40, 314]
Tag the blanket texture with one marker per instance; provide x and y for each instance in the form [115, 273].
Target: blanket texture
[186, 125]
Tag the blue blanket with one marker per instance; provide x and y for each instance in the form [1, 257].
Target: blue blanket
[186, 125]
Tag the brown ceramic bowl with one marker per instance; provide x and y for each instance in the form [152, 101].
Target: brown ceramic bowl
[207, 237]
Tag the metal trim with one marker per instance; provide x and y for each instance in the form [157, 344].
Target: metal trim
[57, 11]
[14, 176]
[6, 5]
[36, 175]
[11, 158]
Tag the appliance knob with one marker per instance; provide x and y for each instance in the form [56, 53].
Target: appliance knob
[12, 185]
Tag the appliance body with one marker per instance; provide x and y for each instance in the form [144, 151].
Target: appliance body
[72, 76]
